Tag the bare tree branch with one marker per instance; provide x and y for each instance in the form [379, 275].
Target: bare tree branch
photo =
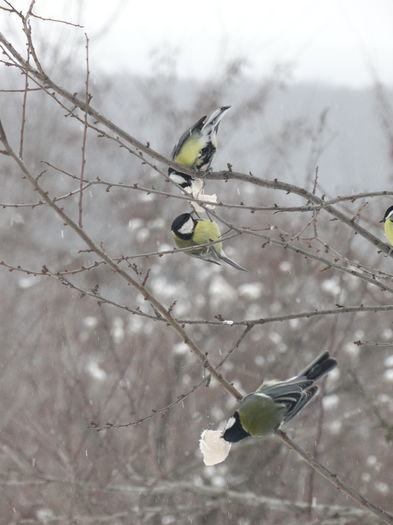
[84, 136]
[127, 277]
[335, 480]
[223, 175]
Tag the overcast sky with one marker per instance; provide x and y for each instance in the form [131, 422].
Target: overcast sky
[324, 40]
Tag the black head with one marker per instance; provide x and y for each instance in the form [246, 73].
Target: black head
[235, 432]
[387, 212]
[183, 226]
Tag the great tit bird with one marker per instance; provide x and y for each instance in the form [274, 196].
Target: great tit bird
[388, 224]
[265, 410]
[189, 232]
[197, 146]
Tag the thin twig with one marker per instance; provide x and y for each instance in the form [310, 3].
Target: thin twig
[155, 411]
[143, 150]
[122, 273]
[20, 90]
[247, 499]
[335, 480]
[41, 203]
[236, 345]
[84, 136]
[24, 104]
[374, 408]
[165, 313]
[56, 20]
[339, 310]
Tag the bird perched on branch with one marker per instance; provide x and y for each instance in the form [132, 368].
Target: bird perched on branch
[388, 224]
[197, 147]
[265, 410]
[191, 233]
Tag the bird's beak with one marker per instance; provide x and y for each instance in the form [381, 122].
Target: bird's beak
[382, 220]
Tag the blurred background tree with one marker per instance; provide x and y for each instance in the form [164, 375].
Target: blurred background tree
[83, 350]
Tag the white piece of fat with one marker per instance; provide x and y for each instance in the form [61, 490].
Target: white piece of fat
[213, 447]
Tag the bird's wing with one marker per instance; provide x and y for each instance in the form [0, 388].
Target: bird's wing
[226, 259]
[305, 398]
[294, 395]
[206, 255]
[195, 127]
[212, 255]
[273, 388]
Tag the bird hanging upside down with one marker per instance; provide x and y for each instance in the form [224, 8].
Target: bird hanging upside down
[197, 147]
[265, 410]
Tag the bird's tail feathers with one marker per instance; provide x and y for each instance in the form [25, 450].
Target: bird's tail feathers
[319, 367]
[222, 256]
[214, 119]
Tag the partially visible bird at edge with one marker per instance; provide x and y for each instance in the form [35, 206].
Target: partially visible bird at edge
[388, 224]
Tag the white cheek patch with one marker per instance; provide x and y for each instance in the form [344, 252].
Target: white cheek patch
[177, 178]
[231, 421]
[390, 215]
[187, 227]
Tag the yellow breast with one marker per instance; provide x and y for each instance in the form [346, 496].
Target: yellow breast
[388, 228]
[206, 231]
[189, 152]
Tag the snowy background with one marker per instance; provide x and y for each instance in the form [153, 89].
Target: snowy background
[300, 99]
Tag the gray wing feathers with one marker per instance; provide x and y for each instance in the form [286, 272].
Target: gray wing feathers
[293, 395]
[305, 397]
[211, 255]
[226, 259]
[196, 127]
[296, 392]
[285, 388]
